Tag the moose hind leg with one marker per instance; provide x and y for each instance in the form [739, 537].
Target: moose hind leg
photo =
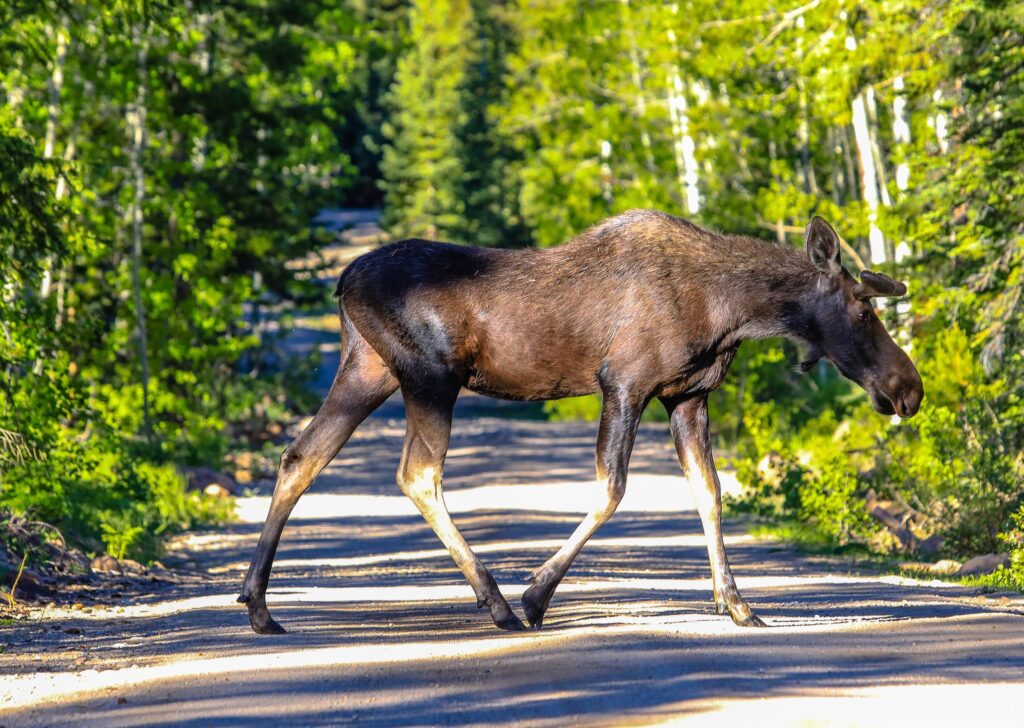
[361, 385]
[429, 419]
[619, 420]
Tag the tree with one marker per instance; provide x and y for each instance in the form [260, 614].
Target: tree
[421, 166]
[490, 195]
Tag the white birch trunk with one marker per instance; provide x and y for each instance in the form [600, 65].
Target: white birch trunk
[804, 130]
[869, 178]
[136, 119]
[50, 138]
[901, 135]
[684, 147]
[940, 124]
[606, 171]
[640, 102]
[901, 132]
[876, 153]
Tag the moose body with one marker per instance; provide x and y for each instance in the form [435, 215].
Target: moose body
[641, 306]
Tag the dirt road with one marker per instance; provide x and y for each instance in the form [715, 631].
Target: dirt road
[384, 631]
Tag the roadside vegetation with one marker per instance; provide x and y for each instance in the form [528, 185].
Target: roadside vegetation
[160, 164]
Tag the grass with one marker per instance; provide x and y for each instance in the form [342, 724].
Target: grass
[1005, 578]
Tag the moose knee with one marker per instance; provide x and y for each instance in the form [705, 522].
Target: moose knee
[615, 490]
[290, 472]
[419, 484]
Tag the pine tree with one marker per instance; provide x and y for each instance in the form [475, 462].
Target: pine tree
[491, 214]
[421, 167]
[987, 188]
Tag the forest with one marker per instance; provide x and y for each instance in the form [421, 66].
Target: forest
[160, 163]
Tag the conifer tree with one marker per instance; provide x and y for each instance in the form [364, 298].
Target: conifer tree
[421, 167]
[487, 187]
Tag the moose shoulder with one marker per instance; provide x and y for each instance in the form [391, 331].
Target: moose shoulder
[641, 306]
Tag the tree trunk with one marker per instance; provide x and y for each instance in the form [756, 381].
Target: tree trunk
[869, 178]
[641, 102]
[683, 146]
[804, 128]
[137, 126]
[940, 123]
[50, 139]
[605, 171]
[901, 135]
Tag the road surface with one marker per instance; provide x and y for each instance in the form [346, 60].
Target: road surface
[384, 631]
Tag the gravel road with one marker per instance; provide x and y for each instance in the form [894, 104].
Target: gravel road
[384, 631]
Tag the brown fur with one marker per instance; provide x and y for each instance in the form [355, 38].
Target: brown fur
[641, 306]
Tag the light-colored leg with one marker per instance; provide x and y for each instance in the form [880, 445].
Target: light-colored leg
[620, 417]
[429, 419]
[693, 445]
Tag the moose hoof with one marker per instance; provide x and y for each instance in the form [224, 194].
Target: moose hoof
[747, 619]
[510, 623]
[752, 621]
[738, 610]
[260, 619]
[502, 614]
[535, 606]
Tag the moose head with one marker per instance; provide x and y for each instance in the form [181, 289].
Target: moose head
[845, 329]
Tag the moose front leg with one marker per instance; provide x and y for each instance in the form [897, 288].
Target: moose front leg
[693, 444]
[620, 417]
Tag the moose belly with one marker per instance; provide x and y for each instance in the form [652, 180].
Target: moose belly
[528, 368]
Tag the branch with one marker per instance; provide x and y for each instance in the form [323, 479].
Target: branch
[787, 20]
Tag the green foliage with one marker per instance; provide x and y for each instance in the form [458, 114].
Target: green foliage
[588, 408]
[157, 172]
[1010, 576]
[421, 164]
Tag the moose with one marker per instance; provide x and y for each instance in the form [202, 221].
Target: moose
[643, 305]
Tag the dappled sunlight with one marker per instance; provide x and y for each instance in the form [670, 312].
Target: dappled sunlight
[690, 541]
[943, 704]
[645, 493]
[37, 688]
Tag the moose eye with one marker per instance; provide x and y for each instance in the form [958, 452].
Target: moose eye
[864, 316]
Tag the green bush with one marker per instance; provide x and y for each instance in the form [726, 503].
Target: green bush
[953, 464]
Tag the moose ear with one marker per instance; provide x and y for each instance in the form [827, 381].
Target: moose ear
[876, 285]
[822, 245]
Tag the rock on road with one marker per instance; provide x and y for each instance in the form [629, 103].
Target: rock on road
[384, 630]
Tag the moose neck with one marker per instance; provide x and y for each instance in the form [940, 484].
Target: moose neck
[771, 300]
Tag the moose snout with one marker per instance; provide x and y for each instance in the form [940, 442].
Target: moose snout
[899, 394]
[906, 395]
[908, 403]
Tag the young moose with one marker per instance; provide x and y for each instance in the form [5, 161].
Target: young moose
[642, 306]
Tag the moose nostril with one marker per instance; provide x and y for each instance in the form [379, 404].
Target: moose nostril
[909, 403]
